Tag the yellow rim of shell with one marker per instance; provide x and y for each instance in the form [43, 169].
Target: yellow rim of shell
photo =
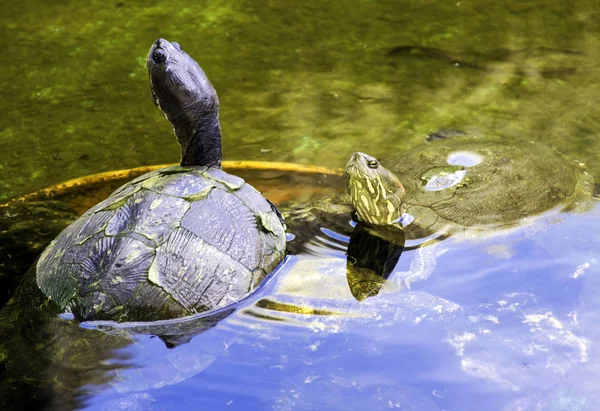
[106, 176]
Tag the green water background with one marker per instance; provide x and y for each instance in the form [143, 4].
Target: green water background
[308, 82]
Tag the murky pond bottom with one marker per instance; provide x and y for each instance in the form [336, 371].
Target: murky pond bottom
[507, 321]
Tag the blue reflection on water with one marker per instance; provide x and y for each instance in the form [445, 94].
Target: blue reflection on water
[507, 322]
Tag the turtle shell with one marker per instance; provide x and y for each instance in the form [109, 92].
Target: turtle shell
[469, 182]
[172, 242]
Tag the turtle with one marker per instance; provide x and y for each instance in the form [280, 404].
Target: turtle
[462, 182]
[457, 184]
[47, 355]
[175, 241]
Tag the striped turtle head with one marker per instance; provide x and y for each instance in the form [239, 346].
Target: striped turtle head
[376, 193]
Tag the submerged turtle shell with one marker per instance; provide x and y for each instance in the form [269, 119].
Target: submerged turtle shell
[485, 184]
[171, 242]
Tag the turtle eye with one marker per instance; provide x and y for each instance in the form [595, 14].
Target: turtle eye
[159, 56]
[372, 164]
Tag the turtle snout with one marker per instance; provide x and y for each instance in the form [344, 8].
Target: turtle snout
[356, 158]
[166, 46]
[162, 43]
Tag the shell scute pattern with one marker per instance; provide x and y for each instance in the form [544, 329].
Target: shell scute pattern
[115, 275]
[183, 185]
[201, 278]
[60, 249]
[226, 223]
[233, 183]
[149, 214]
[182, 237]
[270, 255]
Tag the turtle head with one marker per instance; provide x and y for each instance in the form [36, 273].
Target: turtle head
[184, 94]
[375, 192]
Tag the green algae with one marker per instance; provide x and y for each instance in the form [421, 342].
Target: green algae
[310, 83]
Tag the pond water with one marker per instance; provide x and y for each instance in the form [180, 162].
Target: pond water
[508, 319]
[502, 323]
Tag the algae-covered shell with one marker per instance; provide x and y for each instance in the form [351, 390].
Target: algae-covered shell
[171, 242]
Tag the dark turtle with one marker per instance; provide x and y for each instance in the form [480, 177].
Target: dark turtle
[50, 359]
[175, 241]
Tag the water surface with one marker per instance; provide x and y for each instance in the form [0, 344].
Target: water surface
[508, 321]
